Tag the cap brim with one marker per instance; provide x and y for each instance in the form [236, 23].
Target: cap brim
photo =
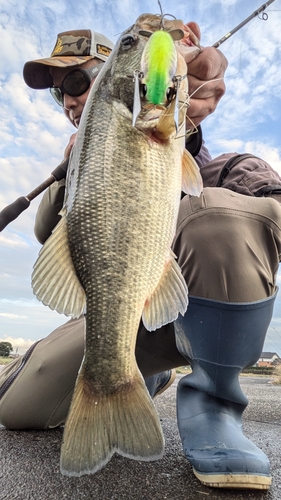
[37, 75]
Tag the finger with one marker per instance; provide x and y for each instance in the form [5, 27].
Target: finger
[210, 63]
[69, 147]
[199, 89]
[198, 110]
[194, 27]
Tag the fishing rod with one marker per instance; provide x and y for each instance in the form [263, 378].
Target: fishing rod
[12, 211]
[239, 26]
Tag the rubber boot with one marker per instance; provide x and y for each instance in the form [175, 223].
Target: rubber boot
[157, 384]
[220, 339]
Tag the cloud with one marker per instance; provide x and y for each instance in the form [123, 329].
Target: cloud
[27, 318]
[271, 154]
[12, 242]
[251, 106]
[34, 131]
[12, 316]
[20, 345]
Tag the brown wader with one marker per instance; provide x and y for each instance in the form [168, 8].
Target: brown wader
[35, 393]
[228, 246]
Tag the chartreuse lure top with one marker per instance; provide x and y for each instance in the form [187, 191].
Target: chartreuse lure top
[158, 65]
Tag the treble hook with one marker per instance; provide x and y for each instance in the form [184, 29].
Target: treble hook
[138, 75]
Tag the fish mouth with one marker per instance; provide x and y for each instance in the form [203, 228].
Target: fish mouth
[151, 112]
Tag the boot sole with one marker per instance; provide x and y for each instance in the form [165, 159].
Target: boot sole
[167, 385]
[242, 481]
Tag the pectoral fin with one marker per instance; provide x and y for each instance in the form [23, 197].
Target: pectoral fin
[54, 279]
[169, 298]
[191, 178]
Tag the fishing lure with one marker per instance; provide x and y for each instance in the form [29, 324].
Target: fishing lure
[158, 66]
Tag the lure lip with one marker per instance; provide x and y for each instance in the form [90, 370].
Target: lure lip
[152, 112]
[177, 34]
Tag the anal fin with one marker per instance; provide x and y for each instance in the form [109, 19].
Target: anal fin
[191, 178]
[169, 298]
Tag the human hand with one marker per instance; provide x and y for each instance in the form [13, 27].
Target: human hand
[209, 65]
[69, 147]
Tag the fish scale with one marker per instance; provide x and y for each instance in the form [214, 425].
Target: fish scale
[111, 197]
[118, 221]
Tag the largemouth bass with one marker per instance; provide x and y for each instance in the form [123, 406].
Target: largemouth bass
[110, 255]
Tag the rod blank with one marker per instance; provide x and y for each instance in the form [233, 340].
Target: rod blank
[239, 26]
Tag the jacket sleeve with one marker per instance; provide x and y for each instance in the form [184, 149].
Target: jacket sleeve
[196, 146]
[47, 215]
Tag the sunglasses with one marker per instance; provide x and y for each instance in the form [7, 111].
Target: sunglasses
[76, 83]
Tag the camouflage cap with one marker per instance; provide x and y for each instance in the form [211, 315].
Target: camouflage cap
[71, 49]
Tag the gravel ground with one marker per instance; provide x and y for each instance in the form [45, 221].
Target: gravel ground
[29, 460]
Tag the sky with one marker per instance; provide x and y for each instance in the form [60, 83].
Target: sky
[34, 131]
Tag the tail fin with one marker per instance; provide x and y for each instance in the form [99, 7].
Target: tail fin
[98, 425]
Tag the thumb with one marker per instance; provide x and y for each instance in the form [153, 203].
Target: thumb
[194, 27]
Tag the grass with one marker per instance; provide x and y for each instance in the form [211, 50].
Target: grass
[184, 370]
[5, 360]
[277, 375]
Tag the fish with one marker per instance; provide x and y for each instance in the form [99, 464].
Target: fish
[110, 257]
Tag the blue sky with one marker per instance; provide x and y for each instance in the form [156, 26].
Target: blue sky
[34, 131]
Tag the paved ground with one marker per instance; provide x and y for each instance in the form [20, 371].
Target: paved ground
[29, 461]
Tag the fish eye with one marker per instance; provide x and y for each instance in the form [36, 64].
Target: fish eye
[127, 41]
[143, 90]
[170, 93]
